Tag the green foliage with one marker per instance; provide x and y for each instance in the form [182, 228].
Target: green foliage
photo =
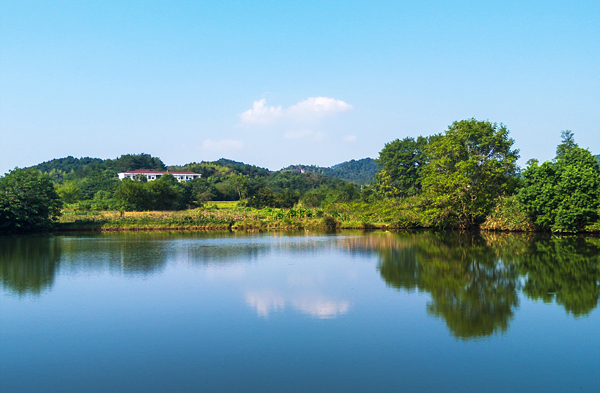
[165, 193]
[223, 167]
[568, 142]
[67, 164]
[28, 201]
[264, 198]
[357, 171]
[133, 195]
[280, 181]
[326, 195]
[80, 180]
[69, 192]
[392, 212]
[508, 215]
[329, 222]
[563, 195]
[401, 162]
[70, 168]
[470, 167]
[199, 191]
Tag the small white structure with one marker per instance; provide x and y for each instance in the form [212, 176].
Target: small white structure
[153, 175]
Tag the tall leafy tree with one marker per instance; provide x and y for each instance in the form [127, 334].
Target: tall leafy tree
[28, 201]
[470, 166]
[401, 162]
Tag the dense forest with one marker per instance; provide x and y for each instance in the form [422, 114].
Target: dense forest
[465, 177]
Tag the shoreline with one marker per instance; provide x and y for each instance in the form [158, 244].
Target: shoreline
[234, 219]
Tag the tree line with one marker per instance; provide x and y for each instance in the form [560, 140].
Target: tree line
[465, 177]
[468, 176]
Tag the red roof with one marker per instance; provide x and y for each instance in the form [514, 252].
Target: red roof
[148, 172]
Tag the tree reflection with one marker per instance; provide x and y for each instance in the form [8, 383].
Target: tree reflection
[28, 264]
[565, 270]
[474, 279]
[471, 289]
[131, 254]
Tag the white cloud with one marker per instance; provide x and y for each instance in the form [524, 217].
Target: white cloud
[309, 109]
[318, 106]
[350, 138]
[261, 114]
[225, 144]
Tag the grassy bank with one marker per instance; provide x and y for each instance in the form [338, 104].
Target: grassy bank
[387, 214]
[215, 216]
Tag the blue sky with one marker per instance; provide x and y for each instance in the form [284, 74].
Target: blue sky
[279, 83]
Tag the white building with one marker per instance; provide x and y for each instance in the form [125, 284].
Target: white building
[153, 175]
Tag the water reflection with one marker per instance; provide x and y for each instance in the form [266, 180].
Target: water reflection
[565, 270]
[474, 279]
[471, 289]
[28, 265]
[313, 304]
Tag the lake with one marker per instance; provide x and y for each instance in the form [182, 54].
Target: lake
[299, 312]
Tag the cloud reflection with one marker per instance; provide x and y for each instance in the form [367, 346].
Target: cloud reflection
[321, 307]
[265, 302]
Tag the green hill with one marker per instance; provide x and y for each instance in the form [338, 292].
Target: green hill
[86, 166]
[357, 171]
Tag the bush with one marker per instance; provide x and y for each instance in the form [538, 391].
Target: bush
[329, 222]
[28, 201]
[508, 215]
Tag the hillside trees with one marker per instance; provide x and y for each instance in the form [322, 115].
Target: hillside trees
[28, 201]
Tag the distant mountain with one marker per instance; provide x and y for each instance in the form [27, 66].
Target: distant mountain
[357, 171]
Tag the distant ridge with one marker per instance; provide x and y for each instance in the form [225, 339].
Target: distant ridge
[357, 171]
[126, 162]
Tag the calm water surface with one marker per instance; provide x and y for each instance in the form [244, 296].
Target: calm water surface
[299, 312]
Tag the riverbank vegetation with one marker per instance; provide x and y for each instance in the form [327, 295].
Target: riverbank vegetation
[466, 177]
